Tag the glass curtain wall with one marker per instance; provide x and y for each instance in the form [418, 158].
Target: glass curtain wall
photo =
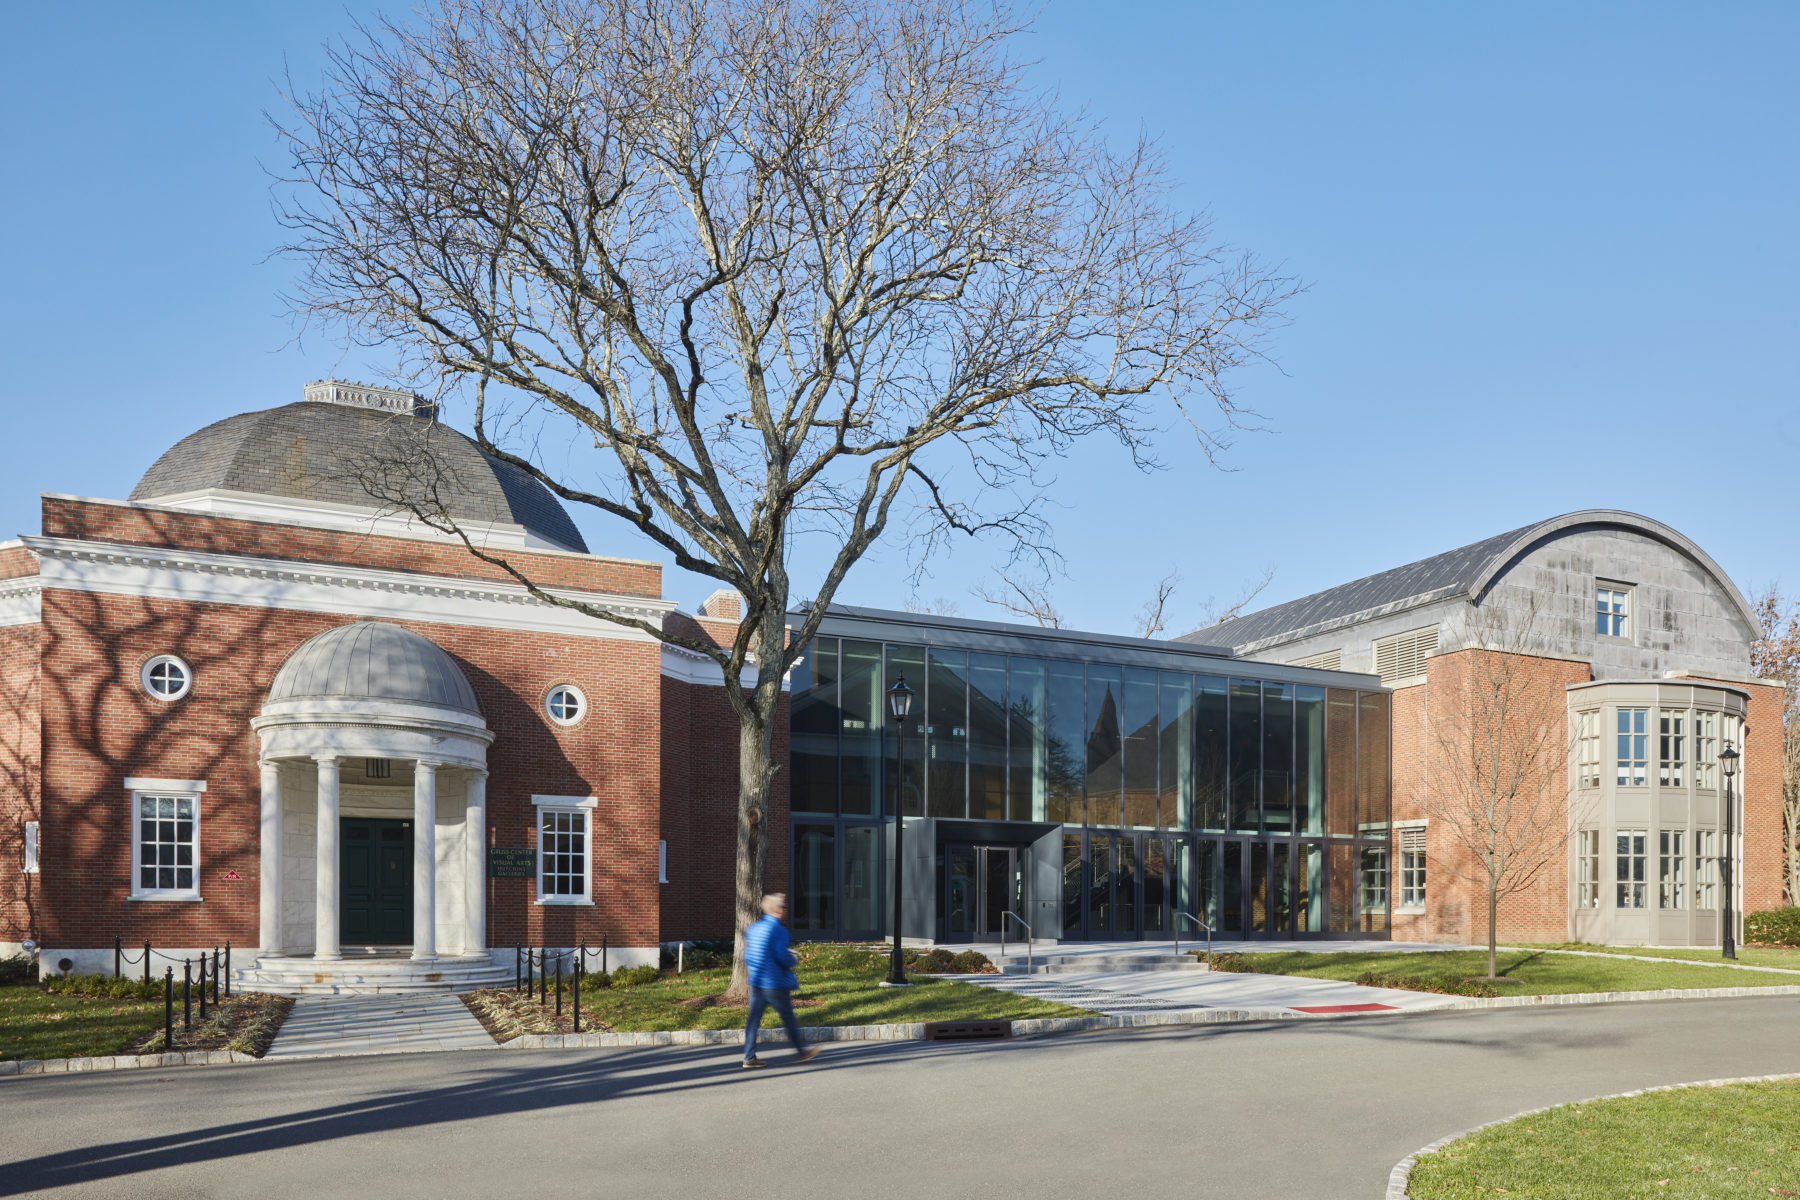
[1260, 806]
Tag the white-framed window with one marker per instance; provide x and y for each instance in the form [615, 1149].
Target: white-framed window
[1374, 879]
[166, 677]
[1634, 747]
[31, 848]
[165, 838]
[566, 704]
[1671, 870]
[1706, 869]
[1411, 839]
[1612, 610]
[1633, 888]
[1671, 748]
[1706, 750]
[1587, 869]
[1587, 749]
[564, 849]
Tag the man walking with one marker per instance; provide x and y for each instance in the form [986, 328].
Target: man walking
[771, 966]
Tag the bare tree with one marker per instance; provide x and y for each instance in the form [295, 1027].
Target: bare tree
[1776, 656]
[1500, 787]
[759, 273]
[1151, 618]
[1210, 612]
[1027, 600]
[941, 606]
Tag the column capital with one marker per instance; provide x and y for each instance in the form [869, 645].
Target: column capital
[325, 760]
[430, 764]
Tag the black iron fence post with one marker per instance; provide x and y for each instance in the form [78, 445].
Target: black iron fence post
[227, 970]
[543, 978]
[215, 975]
[187, 995]
[518, 969]
[203, 989]
[118, 956]
[168, 1008]
[559, 985]
[147, 963]
[603, 969]
[580, 968]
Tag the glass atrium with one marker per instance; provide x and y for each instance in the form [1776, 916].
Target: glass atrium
[1093, 787]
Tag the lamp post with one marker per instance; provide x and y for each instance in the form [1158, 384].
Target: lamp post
[900, 698]
[1728, 761]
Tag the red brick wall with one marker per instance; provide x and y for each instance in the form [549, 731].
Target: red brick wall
[1760, 778]
[16, 561]
[20, 773]
[700, 803]
[1432, 724]
[99, 728]
[100, 521]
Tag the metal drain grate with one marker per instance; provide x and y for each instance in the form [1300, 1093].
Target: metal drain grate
[966, 1031]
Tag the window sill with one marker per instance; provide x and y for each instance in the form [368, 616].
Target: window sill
[565, 901]
[177, 897]
[1419, 911]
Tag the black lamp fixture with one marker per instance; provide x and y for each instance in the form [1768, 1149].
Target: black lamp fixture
[900, 699]
[1728, 761]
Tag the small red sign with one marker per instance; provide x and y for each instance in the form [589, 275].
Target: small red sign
[232, 875]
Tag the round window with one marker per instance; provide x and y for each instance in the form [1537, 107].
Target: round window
[566, 704]
[167, 677]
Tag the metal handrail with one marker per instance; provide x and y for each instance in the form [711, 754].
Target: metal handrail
[1028, 936]
[1201, 924]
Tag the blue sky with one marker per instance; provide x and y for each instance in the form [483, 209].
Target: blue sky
[1550, 251]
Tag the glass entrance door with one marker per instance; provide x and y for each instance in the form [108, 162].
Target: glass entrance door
[982, 884]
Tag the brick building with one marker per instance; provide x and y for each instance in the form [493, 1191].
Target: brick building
[246, 705]
[1581, 675]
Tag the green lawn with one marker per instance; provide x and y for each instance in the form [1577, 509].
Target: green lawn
[1537, 973]
[1742, 1140]
[1750, 956]
[845, 980]
[35, 1024]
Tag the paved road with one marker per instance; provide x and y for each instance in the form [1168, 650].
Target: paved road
[1314, 1110]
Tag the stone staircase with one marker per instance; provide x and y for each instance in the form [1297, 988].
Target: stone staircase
[1088, 964]
[369, 974]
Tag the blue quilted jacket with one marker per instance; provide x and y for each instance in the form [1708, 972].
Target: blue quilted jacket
[767, 956]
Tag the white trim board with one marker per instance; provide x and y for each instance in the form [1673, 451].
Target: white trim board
[198, 577]
[21, 600]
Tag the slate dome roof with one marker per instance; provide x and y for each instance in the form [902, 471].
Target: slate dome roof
[301, 451]
[373, 661]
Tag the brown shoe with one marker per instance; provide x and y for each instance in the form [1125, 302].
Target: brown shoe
[807, 1055]
[753, 1062]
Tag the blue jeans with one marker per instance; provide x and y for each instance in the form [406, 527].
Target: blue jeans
[778, 999]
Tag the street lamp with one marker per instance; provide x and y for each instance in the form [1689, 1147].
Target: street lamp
[1728, 761]
[900, 698]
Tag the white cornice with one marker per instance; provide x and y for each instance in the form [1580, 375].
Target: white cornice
[21, 600]
[205, 578]
[690, 666]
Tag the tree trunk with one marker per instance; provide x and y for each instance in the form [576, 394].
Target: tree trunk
[1493, 931]
[756, 772]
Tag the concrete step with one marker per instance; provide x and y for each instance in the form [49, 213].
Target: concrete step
[1084, 964]
[302, 976]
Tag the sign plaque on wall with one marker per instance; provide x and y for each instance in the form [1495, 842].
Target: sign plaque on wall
[511, 862]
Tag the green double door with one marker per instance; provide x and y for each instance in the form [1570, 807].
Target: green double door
[376, 896]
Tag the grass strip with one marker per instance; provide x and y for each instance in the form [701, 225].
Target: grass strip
[839, 985]
[1685, 1144]
[1787, 957]
[1525, 972]
[35, 1024]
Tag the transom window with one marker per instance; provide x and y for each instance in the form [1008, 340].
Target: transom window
[564, 849]
[167, 677]
[1634, 747]
[1612, 610]
[1671, 748]
[1633, 888]
[566, 704]
[165, 846]
[1671, 874]
[1587, 743]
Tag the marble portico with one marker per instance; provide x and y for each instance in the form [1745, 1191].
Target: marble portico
[371, 721]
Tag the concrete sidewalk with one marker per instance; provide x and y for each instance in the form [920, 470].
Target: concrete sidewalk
[1120, 992]
[323, 1026]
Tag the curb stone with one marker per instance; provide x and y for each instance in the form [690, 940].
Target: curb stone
[913, 1031]
[1401, 1176]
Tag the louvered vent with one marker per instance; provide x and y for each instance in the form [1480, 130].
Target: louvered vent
[1412, 839]
[1330, 660]
[1403, 655]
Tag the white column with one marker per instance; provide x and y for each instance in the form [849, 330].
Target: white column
[269, 913]
[325, 898]
[424, 859]
[475, 869]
